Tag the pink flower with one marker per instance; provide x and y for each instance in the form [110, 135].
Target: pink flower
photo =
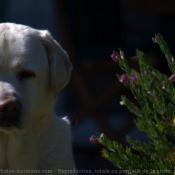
[93, 139]
[114, 56]
[134, 76]
[124, 78]
[164, 85]
[154, 40]
[172, 78]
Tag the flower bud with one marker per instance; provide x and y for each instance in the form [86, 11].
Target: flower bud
[172, 78]
[93, 139]
[114, 56]
[158, 36]
[134, 76]
[154, 40]
[122, 103]
[124, 78]
[148, 92]
[122, 55]
[164, 85]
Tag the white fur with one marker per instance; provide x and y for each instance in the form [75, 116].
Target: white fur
[43, 142]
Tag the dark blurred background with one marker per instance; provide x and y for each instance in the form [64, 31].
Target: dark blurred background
[89, 30]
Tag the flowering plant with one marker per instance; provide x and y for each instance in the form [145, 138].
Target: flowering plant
[155, 113]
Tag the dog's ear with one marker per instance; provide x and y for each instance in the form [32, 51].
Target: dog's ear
[60, 65]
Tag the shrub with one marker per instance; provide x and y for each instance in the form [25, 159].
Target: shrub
[155, 113]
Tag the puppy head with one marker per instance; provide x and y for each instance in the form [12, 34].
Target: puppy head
[33, 68]
[60, 65]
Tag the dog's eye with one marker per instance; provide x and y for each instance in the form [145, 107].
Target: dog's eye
[26, 75]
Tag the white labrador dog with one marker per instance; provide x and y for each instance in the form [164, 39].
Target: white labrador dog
[33, 68]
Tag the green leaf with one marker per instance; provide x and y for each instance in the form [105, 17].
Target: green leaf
[165, 49]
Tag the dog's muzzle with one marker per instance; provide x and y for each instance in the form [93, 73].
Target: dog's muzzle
[9, 113]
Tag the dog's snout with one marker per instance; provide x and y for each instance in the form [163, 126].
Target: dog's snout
[9, 110]
[9, 106]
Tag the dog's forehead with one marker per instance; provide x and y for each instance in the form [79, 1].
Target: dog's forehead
[20, 44]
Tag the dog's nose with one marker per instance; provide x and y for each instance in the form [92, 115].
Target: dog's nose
[10, 107]
[9, 110]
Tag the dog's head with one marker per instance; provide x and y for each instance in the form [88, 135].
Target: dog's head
[33, 68]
